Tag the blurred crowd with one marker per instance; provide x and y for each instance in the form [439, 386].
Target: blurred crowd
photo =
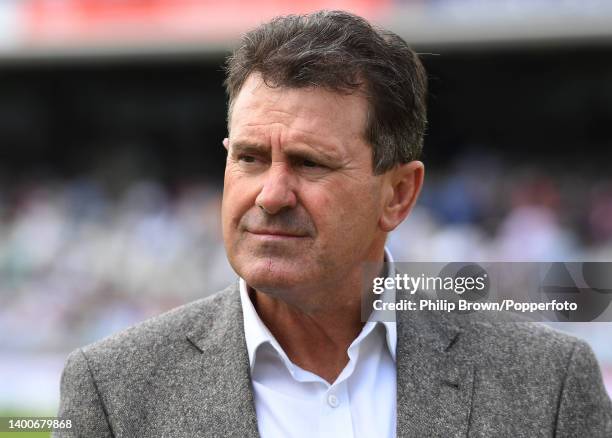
[78, 263]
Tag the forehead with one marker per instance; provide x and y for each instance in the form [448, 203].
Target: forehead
[307, 113]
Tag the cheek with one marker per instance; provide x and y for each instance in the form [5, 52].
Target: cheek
[338, 211]
[237, 199]
[226, 203]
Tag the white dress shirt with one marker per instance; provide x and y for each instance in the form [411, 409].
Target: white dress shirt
[293, 402]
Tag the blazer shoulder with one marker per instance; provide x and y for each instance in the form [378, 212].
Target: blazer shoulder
[505, 338]
[546, 372]
[167, 328]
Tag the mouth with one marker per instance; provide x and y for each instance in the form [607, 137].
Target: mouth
[275, 234]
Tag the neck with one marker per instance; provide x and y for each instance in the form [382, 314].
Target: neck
[316, 338]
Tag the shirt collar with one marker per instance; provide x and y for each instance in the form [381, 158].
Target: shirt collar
[256, 333]
[389, 296]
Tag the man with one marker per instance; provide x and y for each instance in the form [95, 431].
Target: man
[326, 122]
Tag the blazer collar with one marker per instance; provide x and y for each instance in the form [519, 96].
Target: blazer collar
[434, 383]
[226, 406]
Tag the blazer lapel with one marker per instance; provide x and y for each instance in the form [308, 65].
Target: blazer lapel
[434, 385]
[227, 407]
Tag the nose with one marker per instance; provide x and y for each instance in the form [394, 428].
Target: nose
[277, 192]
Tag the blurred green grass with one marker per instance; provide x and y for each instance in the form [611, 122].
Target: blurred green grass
[25, 434]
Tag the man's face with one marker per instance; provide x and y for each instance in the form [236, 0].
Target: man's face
[300, 204]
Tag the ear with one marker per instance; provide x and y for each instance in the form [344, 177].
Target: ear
[226, 143]
[402, 187]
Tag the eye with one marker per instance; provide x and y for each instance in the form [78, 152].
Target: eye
[310, 163]
[247, 158]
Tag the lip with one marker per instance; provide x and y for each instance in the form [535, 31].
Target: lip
[275, 234]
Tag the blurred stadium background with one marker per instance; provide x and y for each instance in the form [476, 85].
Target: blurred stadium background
[111, 121]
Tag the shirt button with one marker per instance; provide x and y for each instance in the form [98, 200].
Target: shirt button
[333, 400]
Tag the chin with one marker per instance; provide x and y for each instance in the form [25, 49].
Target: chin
[267, 277]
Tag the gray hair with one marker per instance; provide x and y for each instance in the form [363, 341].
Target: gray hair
[342, 52]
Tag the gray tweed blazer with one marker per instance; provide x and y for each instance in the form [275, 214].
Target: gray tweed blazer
[186, 374]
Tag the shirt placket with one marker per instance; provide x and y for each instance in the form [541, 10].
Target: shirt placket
[336, 420]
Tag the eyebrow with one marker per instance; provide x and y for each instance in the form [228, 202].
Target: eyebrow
[246, 147]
